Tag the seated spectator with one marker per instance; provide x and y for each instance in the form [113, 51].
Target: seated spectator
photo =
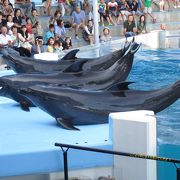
[16, 45]
[29, 27]
[67, 43]
[25, 39]
[10, 23]
[38, 47]
[17, 19]
[141, 26]
[7, 9]
[88, 32]
[60, 30]
[134, 8]
[103, 12]
[58, 47]
[106, 35]
[78, 20]
[24, 5]
[49, 33]
[57, 16]
[86, 6]
[5, 39]
[2, 21]
[130, 27]
[47, 6]
[123, 9]
[34, 21]
[50, 43]
[62, 6]
[113, 11]
[148, 9]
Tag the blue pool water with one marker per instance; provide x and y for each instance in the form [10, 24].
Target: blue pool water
[154, 69]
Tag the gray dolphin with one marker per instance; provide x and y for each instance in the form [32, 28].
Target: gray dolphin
[21, 64]
[91, 80]
[72, 107]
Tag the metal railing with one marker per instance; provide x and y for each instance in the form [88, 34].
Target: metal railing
[66, 147]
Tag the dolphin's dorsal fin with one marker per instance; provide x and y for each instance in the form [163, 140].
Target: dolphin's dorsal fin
[119, 86]
[70, 55]
[67, 124]
[75, 67]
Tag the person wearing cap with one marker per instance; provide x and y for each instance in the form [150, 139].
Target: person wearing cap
[106, 35]
[39, 46]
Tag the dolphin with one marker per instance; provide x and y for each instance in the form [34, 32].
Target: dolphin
[72, 107]
[91, 80]
[30, 65]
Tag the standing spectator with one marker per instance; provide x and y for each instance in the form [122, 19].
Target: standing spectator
[106, 35]
[78, 20]
[7, 9]
[38, 47]
[130, 27]
[67, 43]
[24, 5]
[60, 30]
[5, 39]
[88, 32]
[113, 11]
[103, 12]
[17, 19]
[50, 47]
[141, 26]
[10, 23]
[49, 33]
[148, 9]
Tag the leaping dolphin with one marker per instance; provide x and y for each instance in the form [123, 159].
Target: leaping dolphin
[91, 80]
[72, 107]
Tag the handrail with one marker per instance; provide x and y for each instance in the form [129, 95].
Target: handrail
[132, 155]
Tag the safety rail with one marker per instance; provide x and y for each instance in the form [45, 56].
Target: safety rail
[66, 147]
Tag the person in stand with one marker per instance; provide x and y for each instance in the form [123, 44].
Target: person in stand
[78, 20]
[50, 47]
[7, 9]
[25, 6]
[57, 16]
[106, 35]
[10, 23]
[2, 21]
[34, 21]
[17, 19]
[148, 10]
[25, 39]
[88, 32]
[130, 27]
[47, 6]
[39, 46]
[60, 31]
[49, 33]
[141, 26]
[5, 39]
[67, 43]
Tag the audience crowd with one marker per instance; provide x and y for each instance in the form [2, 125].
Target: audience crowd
[20, 25]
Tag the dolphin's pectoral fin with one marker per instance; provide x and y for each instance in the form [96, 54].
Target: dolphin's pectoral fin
[119, 86]
[75, 67]
[70, 55]
[65, 123]
[24, 106]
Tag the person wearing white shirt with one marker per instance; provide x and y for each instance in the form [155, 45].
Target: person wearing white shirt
[5, 39]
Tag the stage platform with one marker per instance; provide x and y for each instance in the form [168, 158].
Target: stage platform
[27, 142]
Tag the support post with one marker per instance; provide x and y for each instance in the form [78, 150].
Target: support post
[96, 23]
[65, 157]
[134, 132]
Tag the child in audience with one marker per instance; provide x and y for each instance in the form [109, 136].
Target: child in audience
[67, 43]
[58, 47]
[50, 47]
